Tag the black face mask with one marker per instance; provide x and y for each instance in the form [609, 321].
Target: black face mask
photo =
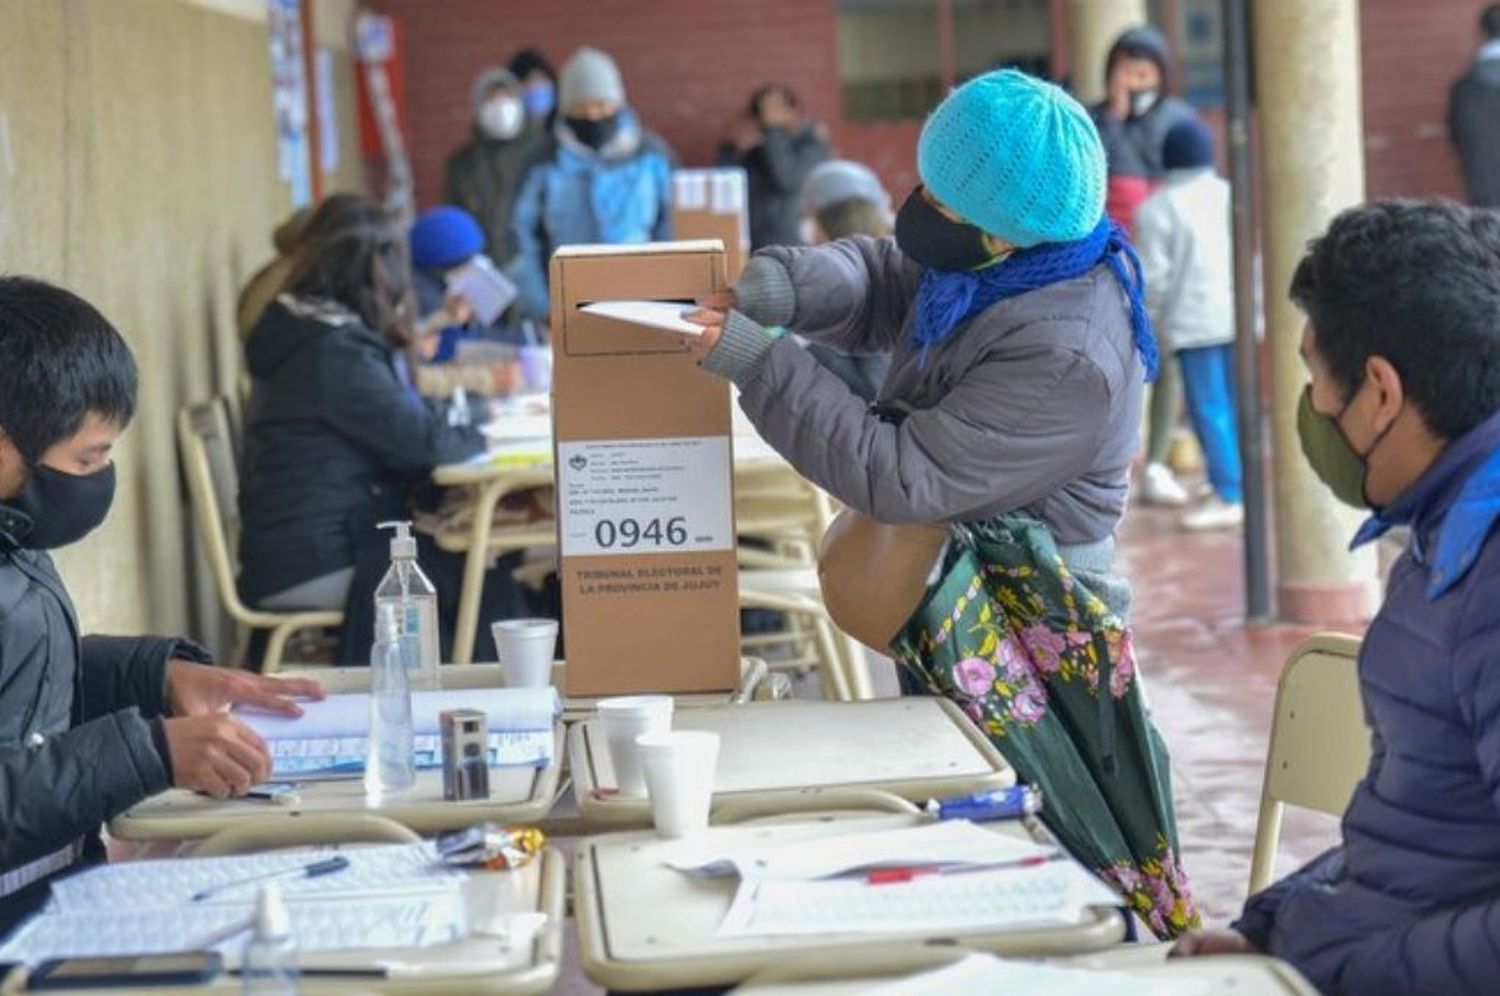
[593, 133]
[62, 508]
[936, 241]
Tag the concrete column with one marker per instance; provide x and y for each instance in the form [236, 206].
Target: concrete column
[1307, 80]
[1093, 26]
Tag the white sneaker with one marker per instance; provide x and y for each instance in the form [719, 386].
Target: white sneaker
[1216, 513]
[1160, 487]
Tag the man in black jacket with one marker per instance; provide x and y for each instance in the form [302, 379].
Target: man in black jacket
[89, 726]
[1474, 116]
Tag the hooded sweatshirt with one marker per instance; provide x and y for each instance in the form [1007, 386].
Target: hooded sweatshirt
[618, 194]
[1134, 145]
[334, 443]
[484, 174]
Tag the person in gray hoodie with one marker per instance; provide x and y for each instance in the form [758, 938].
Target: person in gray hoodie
[1013, 310]
[483, 175]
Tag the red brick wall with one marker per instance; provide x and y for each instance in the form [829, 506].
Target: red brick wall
[688, 66]
[1412, 51]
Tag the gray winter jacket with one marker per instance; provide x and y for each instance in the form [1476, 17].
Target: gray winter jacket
[1033, 406]
[77, 745]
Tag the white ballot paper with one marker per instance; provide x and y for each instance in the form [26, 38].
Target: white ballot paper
[664, 315]
[488, 291]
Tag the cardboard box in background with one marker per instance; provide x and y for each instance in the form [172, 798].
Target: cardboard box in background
[714, 204]
[645, 480]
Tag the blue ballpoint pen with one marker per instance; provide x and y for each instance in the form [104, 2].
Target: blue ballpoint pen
[316, 869]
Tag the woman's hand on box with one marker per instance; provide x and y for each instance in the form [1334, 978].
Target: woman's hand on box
[712, 320]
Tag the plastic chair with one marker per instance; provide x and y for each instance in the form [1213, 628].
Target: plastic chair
[213, 486]
[1320, 745]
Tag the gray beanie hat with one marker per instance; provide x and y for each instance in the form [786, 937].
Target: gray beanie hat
[589, 75]
[489, 81]
[841, 180]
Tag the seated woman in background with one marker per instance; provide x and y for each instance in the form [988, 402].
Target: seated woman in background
[842, 199]
[334, 441]
[453, 348]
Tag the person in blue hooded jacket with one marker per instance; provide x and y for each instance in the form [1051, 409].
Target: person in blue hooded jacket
[1403, 418]
[601, 178]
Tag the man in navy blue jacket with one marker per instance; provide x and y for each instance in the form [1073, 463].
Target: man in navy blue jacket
[1403, 417]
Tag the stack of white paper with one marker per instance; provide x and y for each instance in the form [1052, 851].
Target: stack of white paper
[329, 737]
[389, 896]
[951, 876]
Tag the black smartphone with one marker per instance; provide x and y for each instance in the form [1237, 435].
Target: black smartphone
[183, 969]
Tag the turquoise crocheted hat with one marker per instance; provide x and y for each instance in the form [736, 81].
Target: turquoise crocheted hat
[1016, 156]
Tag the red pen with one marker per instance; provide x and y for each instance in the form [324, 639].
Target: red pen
[899, 875]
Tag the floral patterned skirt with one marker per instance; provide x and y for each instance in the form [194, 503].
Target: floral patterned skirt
[1041, 665]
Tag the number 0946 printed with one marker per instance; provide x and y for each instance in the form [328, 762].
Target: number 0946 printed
[626, 497]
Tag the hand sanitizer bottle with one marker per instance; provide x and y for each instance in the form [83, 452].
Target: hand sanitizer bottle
[390, 761]
[269, 965]
[408, 589]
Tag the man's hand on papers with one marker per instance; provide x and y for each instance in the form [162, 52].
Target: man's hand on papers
[202, 690]
[216, 754]
[1212, 942]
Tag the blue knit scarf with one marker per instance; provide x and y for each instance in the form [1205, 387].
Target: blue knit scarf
[945, 300]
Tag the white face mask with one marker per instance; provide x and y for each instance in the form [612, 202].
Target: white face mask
[1142, 101]
[501, 118]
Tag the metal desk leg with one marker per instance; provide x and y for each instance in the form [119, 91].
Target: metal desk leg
[476, 563]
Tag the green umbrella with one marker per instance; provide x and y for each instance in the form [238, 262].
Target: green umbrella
[1023, 646]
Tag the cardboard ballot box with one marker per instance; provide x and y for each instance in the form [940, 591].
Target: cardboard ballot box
[714, 204]
[645, 485]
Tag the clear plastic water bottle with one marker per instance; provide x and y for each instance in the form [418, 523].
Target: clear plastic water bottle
[415, 599]
[269, 965]
[390, 762]
[459, 415]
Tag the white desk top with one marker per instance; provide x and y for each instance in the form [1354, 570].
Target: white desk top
[917, 748]
[476, 964]
[643, 925]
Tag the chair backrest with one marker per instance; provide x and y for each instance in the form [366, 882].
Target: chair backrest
[1320, 745]
[213, 486]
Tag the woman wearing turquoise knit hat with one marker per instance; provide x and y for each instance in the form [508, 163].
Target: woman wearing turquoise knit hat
[984, 485]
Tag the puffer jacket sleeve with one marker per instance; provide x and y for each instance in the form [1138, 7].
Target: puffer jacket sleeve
[1009, 432]
[74, 782]
[532, 253]
[366, 403]
[123, 671]
[853, 294]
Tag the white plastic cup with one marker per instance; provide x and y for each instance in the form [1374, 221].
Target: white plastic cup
[625, 718]
[536, 367]
[526, 648]
[679, 766]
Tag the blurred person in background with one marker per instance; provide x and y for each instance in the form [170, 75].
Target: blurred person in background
[1474, 116]
[538, 86]
[483, 175]
[778, 147]
[443, 242]
[1133, 121]
[599, 178]
[842, 199]
[334, 441]
[1183, 236]
[261, 289]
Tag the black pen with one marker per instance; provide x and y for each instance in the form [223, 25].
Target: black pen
[315, 870]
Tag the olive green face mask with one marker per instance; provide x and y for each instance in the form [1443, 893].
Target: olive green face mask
[1337, 463]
